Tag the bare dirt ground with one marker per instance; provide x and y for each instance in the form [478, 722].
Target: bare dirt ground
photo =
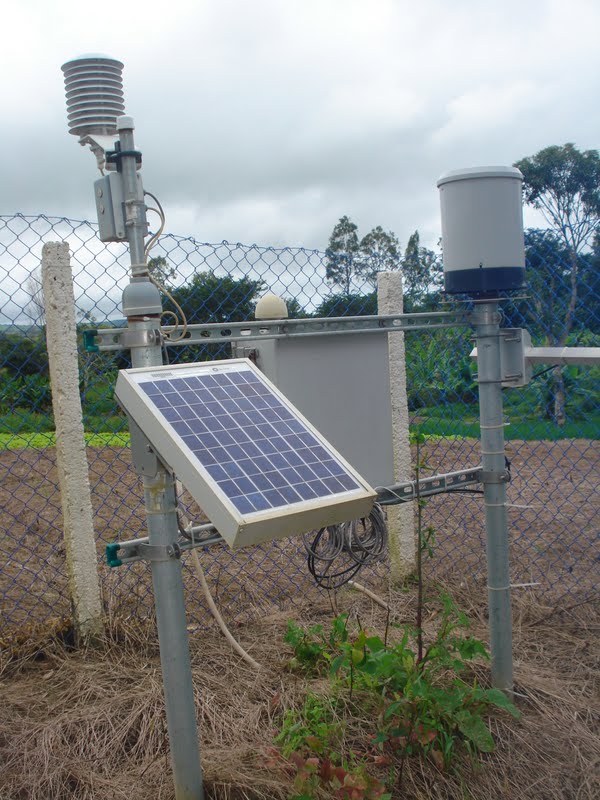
[554, 519]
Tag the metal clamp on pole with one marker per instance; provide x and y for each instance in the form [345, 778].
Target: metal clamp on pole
[140, 338]
[490, 476]
[140, 551]
[121, 553]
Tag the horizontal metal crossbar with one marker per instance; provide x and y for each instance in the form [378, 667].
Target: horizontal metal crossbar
[117, 339]
[436, 484]
[120, 553]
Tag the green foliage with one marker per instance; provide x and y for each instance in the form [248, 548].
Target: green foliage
[348, 305]
[22, 354]
[422, 276]
[342, 255]
[378, 252]
[349, 259]
[214, 298]
[39, 441]
[311, 740]
[424, 706]
[564, 184]
[295, 309]
[311, 647]
[30, 391]
[440, 370]
[162, 272]
[549, 273]
[313, 728]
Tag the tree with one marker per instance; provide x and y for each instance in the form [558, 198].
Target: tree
[342, 254]
[295, 309]
[588, 312]
[378, 252]
[211, 298]
[348, 305]
[422, 273]
[564, 184]
[35, 308]
[162, 272]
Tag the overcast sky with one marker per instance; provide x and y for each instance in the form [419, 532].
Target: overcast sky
[266, 121]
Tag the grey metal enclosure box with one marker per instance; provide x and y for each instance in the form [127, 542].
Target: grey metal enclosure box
[341, 384]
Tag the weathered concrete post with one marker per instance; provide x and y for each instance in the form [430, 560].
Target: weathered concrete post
[401, 519]
[61, 338]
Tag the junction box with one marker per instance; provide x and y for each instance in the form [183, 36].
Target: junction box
[341, 384]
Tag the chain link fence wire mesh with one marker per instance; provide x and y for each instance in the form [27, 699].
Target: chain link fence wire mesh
[552, 424]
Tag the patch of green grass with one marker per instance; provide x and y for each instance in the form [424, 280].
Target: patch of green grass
[24, 421]
[39, 441]
[454, 420]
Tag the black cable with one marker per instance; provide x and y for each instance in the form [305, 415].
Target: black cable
[542, 372]
[337, 552]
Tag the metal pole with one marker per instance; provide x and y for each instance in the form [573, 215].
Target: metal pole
[159, 493]
[486, 318]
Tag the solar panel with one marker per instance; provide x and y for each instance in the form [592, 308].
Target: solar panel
[258, 469]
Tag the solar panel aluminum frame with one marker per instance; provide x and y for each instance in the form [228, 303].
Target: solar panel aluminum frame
[237, 529]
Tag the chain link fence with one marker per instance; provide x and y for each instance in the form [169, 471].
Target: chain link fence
[552, 424]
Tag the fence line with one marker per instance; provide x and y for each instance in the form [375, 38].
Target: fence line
[554, 496]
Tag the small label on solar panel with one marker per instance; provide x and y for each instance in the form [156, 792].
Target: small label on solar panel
[229, 426]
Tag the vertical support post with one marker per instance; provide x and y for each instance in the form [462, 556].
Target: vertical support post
[141, 305]
[400, 518]
[486, 318]
[75, 495]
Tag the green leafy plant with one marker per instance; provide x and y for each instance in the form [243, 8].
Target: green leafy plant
[419, 705]
[312, 647]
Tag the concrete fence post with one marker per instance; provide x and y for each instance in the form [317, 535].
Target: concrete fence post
[71, 460]
[401, 518]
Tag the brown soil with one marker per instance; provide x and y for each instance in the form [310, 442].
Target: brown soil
[554, 520]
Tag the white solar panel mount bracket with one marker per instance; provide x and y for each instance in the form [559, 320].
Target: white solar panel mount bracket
[145, 460]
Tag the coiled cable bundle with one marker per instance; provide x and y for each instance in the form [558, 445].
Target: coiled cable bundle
[336, 553]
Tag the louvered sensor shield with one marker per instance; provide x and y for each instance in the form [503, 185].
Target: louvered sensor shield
[252, 462]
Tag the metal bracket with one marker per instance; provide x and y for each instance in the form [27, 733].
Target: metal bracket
[436, 484]
[145, 460]
[140, 550]
[494, 477]
[515, 367]
[140, 338]
[247, 352]
[116, 339]
[120, 339]
[120, 553]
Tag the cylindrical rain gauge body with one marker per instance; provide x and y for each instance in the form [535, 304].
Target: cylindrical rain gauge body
[482, 230]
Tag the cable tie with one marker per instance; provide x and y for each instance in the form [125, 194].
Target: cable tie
[499, 588]
[494, 427]
[523, 585]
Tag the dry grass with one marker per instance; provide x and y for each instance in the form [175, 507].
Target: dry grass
[90, 723]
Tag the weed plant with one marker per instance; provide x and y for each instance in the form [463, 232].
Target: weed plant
[405, 697]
